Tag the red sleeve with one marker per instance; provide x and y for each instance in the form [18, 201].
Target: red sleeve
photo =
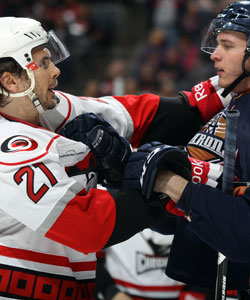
[142, 110]
[86, 223]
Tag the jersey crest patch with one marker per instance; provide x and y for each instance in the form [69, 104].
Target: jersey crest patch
[208, 143]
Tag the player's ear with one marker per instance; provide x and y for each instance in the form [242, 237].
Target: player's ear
[9, 82]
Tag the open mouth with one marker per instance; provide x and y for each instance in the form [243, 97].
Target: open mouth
[220, 71]
[51, 91]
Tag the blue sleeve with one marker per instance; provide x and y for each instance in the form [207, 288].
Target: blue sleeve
[220, 220]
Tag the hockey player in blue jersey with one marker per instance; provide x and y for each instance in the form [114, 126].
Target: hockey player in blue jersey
[217, 221]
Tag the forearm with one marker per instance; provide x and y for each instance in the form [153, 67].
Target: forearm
[172, 113]
[133, 214]
[185, 113]
[219, 219]
[216, 218]
[201, 172]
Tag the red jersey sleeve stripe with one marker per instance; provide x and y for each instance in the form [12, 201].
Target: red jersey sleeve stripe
[142, 110]
[86, 223]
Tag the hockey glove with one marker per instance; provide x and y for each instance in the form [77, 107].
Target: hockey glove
[206, 96]
[201, 172]
[141, 169]
[205, 172]
[111, 150]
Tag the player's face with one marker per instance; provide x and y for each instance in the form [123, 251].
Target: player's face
[46, 78]
[228, 57]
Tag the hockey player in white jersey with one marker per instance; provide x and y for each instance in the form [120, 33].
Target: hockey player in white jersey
[53, 218]
[135, 270]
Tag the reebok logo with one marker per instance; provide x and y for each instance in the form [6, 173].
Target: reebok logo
[197, 170]
[200, 92]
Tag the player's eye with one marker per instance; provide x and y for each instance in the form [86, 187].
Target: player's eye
[45, 63]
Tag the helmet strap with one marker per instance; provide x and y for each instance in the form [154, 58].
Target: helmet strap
[43, 120]
[33, 97]
[24, 93]
[29, 92]
[244, 74]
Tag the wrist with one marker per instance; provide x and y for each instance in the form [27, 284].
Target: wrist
[175, 187]
[170, 184]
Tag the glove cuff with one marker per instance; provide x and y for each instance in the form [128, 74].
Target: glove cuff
[167, 204]
[207, 97]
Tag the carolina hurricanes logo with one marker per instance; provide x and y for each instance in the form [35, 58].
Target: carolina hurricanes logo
[18, 143]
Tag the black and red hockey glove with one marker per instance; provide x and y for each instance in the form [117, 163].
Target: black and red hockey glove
[111, 150]
[206, 96]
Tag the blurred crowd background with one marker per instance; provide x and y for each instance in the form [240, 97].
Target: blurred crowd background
[126, 46]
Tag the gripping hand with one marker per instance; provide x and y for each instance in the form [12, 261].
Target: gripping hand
[111, 150]
[205, 172]
[141, 169]
[201, 172]
[206, 96]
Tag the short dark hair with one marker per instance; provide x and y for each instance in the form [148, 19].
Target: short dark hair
[8, 64]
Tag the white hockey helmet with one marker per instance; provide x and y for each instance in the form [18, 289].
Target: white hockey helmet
[18, 36]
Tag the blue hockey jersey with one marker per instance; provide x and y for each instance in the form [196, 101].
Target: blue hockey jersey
[219, 221]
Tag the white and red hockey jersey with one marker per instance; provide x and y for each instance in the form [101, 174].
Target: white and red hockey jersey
[138, 271]
[49, 224]
[36, 194]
